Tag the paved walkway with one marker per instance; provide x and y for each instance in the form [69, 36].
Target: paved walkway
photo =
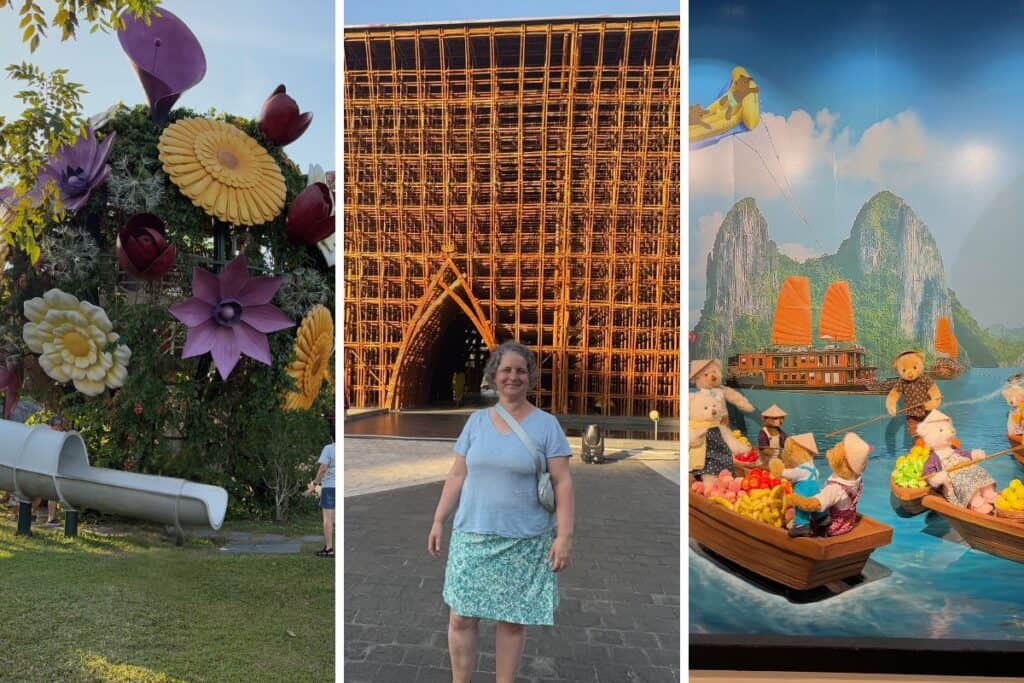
[373, 465]
[619, 615]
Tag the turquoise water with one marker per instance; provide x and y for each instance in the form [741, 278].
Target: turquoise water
[926, 584]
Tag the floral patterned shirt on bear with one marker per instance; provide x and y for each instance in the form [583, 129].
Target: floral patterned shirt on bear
[915, 395]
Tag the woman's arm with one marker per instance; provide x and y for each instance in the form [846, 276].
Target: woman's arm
[565, 513]
[320, 474]
[449, 500]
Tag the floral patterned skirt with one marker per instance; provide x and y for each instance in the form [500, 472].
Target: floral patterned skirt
[504, 579]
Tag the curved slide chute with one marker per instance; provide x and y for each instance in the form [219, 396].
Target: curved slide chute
[38, 461]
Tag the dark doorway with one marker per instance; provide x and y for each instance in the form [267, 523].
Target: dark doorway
[460, 349]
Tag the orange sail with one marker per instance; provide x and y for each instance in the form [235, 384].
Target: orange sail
[792, 325]
[837, 314]
[945, 340]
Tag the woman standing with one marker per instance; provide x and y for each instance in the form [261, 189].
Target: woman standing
[505, 547]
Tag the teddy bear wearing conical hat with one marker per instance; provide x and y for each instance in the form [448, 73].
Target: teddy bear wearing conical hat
[841, 492]
[797, 465]
[772, 434]
[706, 375]
[972, 487]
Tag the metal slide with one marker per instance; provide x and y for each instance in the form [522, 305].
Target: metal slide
[39, 461]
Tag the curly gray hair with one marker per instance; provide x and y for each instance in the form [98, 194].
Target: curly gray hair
[494, 361]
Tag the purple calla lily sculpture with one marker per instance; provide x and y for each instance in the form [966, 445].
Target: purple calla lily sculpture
[142, 247]
[230, 314]
[166, 56]
[78, 170]
[280, 120]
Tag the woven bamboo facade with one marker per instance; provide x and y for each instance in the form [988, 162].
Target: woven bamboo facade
[523, 176]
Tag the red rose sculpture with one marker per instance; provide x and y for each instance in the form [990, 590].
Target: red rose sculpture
[280, 120]
[311, 215]
[142, 247]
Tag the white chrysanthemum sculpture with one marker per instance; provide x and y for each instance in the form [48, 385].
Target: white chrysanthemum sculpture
[71, 337]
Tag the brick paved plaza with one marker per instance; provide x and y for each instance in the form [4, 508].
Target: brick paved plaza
[619, 615]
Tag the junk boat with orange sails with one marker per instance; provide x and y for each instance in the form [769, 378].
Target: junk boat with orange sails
[947, 348]
[793, 363]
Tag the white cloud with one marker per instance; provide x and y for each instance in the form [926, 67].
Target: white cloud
[893, 148]
[767, 161]
[799, 252]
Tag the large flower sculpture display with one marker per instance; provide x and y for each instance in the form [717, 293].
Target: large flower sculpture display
[230, 314]
[223, 171]
[78, 170]
[313, 347]
[73, 338]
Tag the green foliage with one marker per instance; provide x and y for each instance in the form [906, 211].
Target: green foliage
[103, 15]
[51, 118]
[172, 416]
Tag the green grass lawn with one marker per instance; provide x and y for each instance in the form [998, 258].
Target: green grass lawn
[124, 604]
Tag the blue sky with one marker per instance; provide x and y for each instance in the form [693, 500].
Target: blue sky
[251, 46]
[406, 11]
[902, 95]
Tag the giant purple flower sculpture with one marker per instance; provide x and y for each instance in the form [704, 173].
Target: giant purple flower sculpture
[230, 314]
[166, 56]
[78, 170]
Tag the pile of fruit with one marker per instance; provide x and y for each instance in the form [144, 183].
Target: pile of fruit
[723, 487]
[759, 495]
[764, 505]
[1011, 499]
[909, 468]
[750, 456]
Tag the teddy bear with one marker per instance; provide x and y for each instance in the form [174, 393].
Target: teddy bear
[706, 375]
[841, 492]
[970, 487]
[797, 465]
[772, 434]
[920, 394]
[712, 446]
[1013, 392]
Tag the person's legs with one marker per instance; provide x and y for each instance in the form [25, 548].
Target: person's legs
[51, 511]
[509, 641]
[329, 529]
[462, 639]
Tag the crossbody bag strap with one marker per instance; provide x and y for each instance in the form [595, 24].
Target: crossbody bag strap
[521, 433]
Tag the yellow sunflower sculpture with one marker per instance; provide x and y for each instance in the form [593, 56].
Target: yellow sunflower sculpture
[314, 345]
[223, 171]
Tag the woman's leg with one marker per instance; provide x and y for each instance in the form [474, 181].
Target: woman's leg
[462, 637]
[329, 529]
[509, 640]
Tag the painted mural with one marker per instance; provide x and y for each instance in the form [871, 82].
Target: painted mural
[856, 192]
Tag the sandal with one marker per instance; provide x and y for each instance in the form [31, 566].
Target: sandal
[325, 552]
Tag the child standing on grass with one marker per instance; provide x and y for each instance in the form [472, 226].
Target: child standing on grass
[325, 479]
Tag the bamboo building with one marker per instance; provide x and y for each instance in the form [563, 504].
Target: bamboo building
[514, 179]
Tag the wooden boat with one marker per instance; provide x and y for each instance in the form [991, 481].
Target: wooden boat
[990, 534]
[799, 563]
[909, 498]
[948, 348]
[793, 363]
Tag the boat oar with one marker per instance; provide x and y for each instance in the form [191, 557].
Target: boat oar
[874, 419]
[971, 463]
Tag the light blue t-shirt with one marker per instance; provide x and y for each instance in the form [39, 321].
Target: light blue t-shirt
[499, 495]
[327, 458]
